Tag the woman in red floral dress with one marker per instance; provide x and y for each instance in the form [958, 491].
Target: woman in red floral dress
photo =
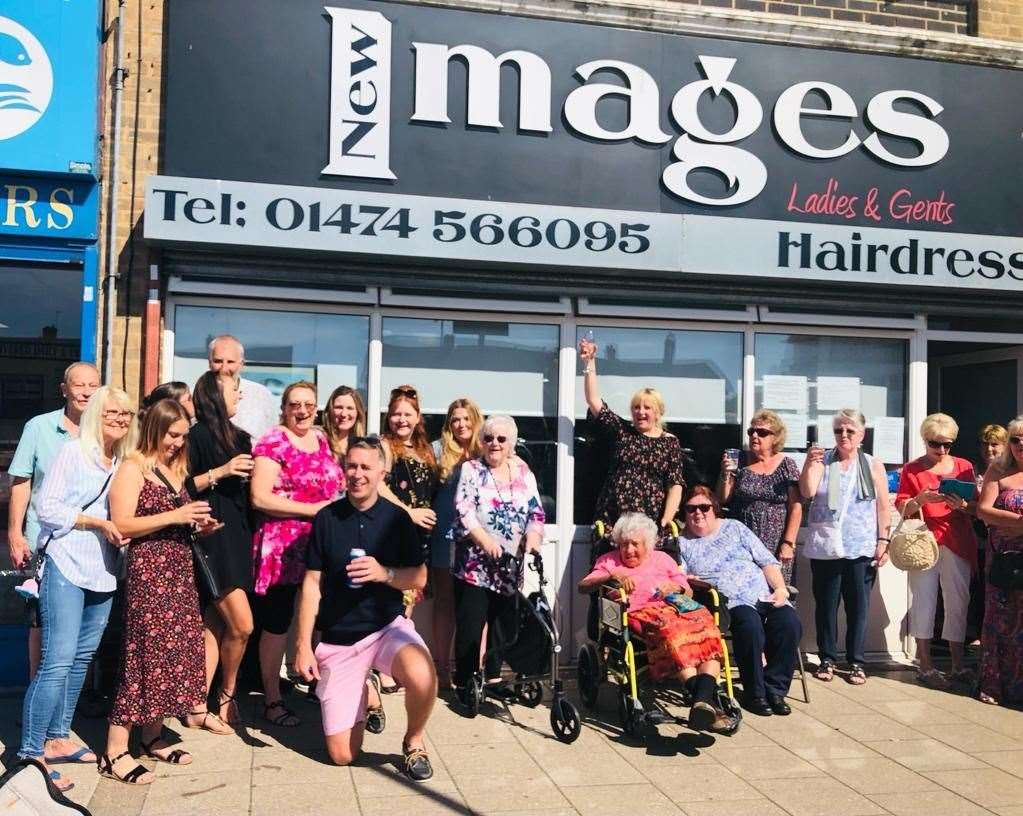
[162, 671]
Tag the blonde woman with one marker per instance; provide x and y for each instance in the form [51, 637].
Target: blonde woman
[764, 495]
[459, 442]
[950, 519]
[79, 574]
[344, 419]
[645, 475]
[162, 672]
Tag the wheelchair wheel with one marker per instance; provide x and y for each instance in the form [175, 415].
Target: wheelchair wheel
[529, 694]
[587, 674]
[565, 722]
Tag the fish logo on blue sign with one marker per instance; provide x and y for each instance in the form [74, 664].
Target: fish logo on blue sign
[26, 79]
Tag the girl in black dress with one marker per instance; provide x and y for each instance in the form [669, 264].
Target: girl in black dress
[220, 457]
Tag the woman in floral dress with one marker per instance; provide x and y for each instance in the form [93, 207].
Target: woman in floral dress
[764, 495]
[646, 461]
[162, 670]
[295, 476]
[1001, 507]
[498, 514]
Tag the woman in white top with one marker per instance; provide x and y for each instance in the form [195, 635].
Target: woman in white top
[848, 541]
[79, 574]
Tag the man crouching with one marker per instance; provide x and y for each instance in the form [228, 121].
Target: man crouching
[356, 604]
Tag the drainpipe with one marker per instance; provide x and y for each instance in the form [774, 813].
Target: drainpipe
[110, 265]
[151, 361]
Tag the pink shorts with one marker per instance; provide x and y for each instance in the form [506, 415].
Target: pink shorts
[343, 672]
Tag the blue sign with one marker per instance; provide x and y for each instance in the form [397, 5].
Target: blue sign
[35, 207]
[49, 86]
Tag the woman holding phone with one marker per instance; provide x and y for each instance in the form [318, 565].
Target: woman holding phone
[949, 516]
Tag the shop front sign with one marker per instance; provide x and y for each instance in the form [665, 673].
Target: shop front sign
[35, 207]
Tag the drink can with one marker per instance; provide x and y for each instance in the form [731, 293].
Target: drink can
[353, 553]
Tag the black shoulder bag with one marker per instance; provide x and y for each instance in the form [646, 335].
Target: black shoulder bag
[1006, 571]
[41, 552]
[203, 571]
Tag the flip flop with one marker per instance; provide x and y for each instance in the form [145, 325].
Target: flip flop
[56, 778]
[75, 757]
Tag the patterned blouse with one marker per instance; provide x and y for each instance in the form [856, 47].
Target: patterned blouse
[761, 501]
[506, 512]
[732, 560]
[279, 544]
[643, 470]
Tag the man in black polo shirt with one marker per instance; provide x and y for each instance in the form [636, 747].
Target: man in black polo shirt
[357, 606]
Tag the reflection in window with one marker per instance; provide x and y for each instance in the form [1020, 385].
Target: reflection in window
[810, 377]
[507, 368]
[280, 347]
[699, 375]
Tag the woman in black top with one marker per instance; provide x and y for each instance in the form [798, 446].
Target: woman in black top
[219, 456]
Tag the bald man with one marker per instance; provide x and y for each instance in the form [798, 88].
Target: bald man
[41, 439]
[258, 409]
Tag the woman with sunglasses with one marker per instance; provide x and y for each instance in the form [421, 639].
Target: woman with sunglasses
[499, 514]
[949, 518]
[848, 540]
[726, 553]
[764, 495]
[344, 418]
[1001, 507]
[295, 476]
[459, 442]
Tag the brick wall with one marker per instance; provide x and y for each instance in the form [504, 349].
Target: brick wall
[1001, 19]
[927, 15]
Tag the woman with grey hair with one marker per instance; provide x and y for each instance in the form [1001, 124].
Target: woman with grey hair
[498, 514]
[848, 541]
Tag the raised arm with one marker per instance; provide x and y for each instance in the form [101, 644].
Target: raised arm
[591, 390]
[813, 472]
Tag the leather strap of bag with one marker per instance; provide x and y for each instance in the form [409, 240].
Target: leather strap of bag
[41, 552]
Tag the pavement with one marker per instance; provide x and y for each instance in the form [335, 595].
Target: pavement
[888, 747]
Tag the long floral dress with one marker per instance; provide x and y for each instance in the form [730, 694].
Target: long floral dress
[1001, 667]
[761, 502]
[279, 544]
[643, 470]
[162, 671]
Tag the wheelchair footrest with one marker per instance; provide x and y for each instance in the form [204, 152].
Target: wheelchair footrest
[657, 717]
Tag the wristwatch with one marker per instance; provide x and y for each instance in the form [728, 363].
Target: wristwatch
[390, 575]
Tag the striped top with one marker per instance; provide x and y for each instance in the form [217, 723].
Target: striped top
[84, 557]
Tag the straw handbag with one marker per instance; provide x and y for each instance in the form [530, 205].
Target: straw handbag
[913, 546]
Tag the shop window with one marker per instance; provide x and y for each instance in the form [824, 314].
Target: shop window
[699, 375]
[280, 347]
[507, 368]
[807, 378]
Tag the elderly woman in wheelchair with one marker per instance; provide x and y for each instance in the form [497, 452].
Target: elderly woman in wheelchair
[763, 624]
[680, 636]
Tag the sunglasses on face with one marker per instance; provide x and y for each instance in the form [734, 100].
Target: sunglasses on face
[845, 432]
[761, 432]
[488, 438]
[372, 440]
[938, 445]
[702, 508]
[1016, 440]
[295, 406]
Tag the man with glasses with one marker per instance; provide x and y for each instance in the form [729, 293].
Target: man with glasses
[364, 551]
[258, 411]
[43, 436]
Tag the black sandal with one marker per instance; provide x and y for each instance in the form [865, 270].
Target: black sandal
[281, 719]
[106, 768]
[857, 676]
[173, 758]
[223, 698]
[825, 671]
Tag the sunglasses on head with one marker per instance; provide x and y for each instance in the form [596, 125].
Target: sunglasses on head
[488, 438]
[761, 432]
[937, 444]
[372, 441]
[404, 392]
[703, 508]
[845, 432]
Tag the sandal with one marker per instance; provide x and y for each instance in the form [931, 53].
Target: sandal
[932, 678]
[175, 757]
[825, 671]
[79, 756]
[59, 782]
[286, 719]
[963, 676]
[857, 676]
[417, 763]
[987, 699]
[133, 777]
[229, 700]
[203, 725]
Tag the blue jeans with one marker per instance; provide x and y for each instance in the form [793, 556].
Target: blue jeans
[73, 620]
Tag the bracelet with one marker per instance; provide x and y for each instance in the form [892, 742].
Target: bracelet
[212, 478]
[589, 370]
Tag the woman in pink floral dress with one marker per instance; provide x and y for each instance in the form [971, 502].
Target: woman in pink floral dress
[295, 476]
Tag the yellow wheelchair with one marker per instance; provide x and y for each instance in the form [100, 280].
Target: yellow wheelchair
[616, 654]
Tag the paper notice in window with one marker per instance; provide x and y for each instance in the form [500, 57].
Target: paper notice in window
[834, 393]
[795, 426]
[784, 392]
[889, 439]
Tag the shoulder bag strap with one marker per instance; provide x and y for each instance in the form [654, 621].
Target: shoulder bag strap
[175, 494]
[41, 552]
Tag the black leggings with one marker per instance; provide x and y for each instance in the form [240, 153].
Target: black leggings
[474, 607]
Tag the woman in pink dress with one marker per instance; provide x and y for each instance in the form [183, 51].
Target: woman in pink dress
[295, 476]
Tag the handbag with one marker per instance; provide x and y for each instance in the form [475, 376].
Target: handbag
[1006, 572]
[205, 577]
[913, 547]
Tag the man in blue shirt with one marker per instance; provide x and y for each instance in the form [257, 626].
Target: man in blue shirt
[363, 552]
[41, 439]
